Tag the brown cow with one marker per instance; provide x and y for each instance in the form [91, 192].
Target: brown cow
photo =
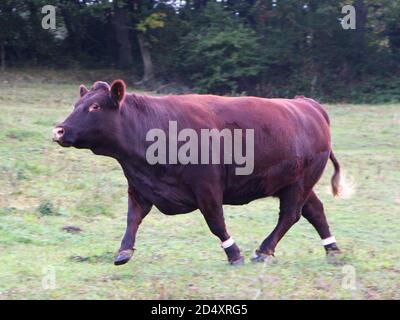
[291, 149]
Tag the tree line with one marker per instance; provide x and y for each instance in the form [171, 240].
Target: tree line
[259, 47]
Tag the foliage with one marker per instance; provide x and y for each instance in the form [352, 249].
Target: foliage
[153, 21]
[220, 54]
[260, 47]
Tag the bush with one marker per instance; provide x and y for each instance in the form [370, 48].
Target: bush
[220, 54]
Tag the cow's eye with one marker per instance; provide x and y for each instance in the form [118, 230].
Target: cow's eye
[94, 107]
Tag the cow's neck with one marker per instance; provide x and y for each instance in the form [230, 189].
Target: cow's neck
[137, 118]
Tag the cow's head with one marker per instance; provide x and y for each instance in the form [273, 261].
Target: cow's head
[93, 124]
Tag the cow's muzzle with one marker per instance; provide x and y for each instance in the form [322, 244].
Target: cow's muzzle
[58, 133]
[59, 136]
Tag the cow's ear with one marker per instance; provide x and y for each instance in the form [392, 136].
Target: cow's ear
[117, 91]
[83, 90]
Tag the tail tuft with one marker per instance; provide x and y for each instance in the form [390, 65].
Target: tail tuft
[342, 185]
[335, 180]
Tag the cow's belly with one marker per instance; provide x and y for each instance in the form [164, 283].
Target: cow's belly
[265, 183]
[172, 200]
[239, 196]
[169, 207]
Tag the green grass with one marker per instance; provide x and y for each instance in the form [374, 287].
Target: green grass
[45, 187]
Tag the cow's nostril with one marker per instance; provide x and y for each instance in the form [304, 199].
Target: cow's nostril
[58, 132]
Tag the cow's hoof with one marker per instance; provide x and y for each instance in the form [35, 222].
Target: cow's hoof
[123, 257]
[237, 262]
[261, 257]
[335, 257]
[333, 251]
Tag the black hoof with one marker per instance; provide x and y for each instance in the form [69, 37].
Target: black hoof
[237, 262]
[261, 257]
[335, 257]
[332, 251]
[123, 257]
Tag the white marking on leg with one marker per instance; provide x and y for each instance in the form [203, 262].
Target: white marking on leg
[328, 241]
[227, 243]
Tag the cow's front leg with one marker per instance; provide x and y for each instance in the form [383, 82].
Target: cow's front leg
[137, 210]
[211, 208]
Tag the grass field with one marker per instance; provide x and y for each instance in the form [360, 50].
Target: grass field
[44, 188]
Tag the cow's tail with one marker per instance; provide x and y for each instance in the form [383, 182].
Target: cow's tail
[335, 180]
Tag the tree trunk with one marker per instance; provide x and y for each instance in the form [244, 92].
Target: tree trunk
[121, 27]
[361, 17]
[36, 36]
[360, 41]
[73, 41]
[148, 74]
[2, 56]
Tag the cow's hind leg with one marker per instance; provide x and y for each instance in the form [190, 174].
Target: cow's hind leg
[212, 210]
[313, 211]
[292, 199]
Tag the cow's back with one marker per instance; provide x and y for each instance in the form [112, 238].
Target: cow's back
[282, 127]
